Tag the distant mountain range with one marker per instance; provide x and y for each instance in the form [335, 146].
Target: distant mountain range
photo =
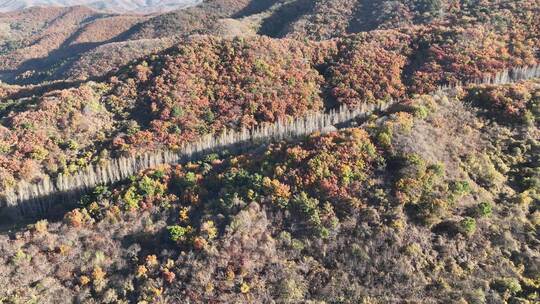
[118, 6]
[54, 42]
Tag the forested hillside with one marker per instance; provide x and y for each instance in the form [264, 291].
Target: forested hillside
[207, 84]
[436, 200]
[40, 44]
[382, 212]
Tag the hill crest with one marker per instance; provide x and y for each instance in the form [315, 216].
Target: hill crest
[116, 6]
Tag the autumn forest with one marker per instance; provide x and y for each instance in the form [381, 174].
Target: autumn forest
[271, 151]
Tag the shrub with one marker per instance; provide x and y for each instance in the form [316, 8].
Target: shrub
[244, 288]
[168, 276]
[92, 200]
[98, 274]
[483, 171]
[132, 127]
[524, 198]
[460, 187]
[199, 243]
[151, 260]
[437, 169]
[421, 111]
[179, 233]
[292, 290]
[71, 145]
[150, 187]
[177, 111]
[39, 153]
[467, 226]
[385, 134]
[308, 209]
[240, 184]
[431, 210]
[484, 209]
[40, 227]
[423, 188]
[75, 218]
[141, 271]
[510, 285]
[84, 280]
[279, 192]
[528, 118]
[132, 198]
[209, 228]
[189, 180]
[20, 257]
[385, 139]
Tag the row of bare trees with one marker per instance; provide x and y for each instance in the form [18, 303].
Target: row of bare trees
[503, 77]
[121, 168]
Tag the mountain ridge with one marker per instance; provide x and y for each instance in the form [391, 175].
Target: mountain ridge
[116, 6]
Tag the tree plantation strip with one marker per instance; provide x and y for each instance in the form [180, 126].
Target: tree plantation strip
[42, 193]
